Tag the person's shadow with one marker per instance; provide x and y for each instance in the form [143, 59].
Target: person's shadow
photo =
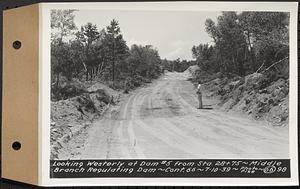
[207, 107]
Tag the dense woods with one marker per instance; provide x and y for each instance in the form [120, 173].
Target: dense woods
[245, 43]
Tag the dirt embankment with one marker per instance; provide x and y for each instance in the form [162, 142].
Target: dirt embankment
[256, 94]
[69, 117]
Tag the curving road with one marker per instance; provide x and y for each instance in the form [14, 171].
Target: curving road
[161, 120]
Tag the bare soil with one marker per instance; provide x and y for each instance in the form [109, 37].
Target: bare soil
[161, 120]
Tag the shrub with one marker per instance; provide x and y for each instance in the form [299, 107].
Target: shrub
[69, 90]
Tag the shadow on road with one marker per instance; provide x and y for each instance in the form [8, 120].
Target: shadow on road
[207, 108]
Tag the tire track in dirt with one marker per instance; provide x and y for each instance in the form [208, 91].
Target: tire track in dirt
[123, 128]
[216, 139]
[165, 139]
[200, 146]
[161, 120]
[155, 107]
[132, 137]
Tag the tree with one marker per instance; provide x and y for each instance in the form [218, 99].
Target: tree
[246, 22]
[143, 61]
[230, 44]
[244, 42]
[62, 25]
[269, 31]
[117, 49]
[88, 35]
[204, 55]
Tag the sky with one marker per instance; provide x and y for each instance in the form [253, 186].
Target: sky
[172, 33]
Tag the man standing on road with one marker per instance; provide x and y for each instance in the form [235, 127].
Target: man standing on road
[199, 95]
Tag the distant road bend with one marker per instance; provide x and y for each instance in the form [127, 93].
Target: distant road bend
[161, 120]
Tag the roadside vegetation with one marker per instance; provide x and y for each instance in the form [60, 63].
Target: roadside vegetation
[247, 67]
[90, 54]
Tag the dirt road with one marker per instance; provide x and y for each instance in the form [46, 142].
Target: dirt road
[161, 120]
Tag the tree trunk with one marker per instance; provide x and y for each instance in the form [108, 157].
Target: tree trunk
[251, 53]
[57, 80]
[233, 62]
[241, 63]
[87, 74]
[101, 67]
[97, 69]
[113, 66]
[91, 74]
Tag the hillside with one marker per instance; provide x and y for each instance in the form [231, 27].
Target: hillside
[255, 95]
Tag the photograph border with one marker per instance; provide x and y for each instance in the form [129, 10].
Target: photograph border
[45, 78]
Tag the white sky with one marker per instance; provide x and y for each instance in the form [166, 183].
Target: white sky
[172, 33]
